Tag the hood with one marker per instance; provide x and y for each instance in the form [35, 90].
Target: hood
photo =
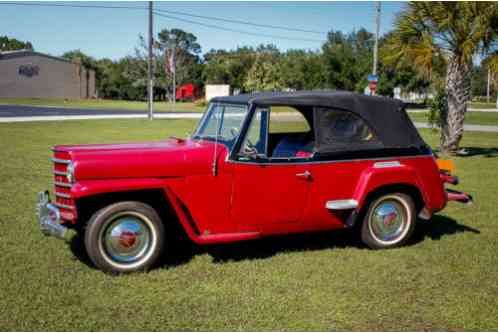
[169, 158]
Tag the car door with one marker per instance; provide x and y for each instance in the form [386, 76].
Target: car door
[338, 173]
[268, 193]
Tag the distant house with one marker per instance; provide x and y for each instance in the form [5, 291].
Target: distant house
[29, 74]
[187, 92]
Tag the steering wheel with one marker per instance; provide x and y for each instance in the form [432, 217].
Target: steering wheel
[234, 131]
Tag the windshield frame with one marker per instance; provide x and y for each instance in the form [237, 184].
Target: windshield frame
[206, 117]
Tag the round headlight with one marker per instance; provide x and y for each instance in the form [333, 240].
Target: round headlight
[70, 172]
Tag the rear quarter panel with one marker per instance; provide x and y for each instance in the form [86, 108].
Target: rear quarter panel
[356, 179]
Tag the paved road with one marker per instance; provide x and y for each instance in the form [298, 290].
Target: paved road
[39, 111]
[23, 113]
[468, 127]
[17, 113]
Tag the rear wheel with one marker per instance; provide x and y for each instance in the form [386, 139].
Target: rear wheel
[124, 237]
[389, 221]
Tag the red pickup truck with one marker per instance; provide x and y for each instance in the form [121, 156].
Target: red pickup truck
[257, 165]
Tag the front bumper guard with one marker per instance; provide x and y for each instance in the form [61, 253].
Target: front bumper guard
[49, 217]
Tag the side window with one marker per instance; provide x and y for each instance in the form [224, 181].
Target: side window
[255, 142]
[290, 133]
[232, 119]
[339, 129]
[279, 133]
[286, 119]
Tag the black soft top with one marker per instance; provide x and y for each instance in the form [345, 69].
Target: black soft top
[386, 116]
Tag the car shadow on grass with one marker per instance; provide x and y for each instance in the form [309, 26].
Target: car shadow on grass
[268, 247]
[479, 151]
[438, 227]
[183, 251]
[474, 152]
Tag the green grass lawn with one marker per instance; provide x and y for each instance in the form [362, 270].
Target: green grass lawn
[474, 117]
[104, 104]
[482, 105]
[445, 280]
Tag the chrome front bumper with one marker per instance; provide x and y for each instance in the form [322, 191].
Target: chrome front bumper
[49, 217]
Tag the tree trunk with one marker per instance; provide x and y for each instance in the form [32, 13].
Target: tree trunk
[458, 78]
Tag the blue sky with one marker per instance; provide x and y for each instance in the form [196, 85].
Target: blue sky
[113, 33]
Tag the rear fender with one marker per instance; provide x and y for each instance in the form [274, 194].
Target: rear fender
[376, 177]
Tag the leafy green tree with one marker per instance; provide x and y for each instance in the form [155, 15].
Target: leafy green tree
[77, 56]
[217, 67]
[12, 44]
[188, 65]
[265, 71]
[398, 71]
[456, 32]
[348, 59]
[228, 67]
[186, 51]
[302, 70]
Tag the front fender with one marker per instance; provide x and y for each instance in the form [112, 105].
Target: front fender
[170, 187]
[87, 188]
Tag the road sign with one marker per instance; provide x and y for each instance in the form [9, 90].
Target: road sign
[373, 78]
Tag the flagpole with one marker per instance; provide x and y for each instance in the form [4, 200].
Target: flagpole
[150, 69]
[173, 64]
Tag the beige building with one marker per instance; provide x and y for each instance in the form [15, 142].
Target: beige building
[29, 74]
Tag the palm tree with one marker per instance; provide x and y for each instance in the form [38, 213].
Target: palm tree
[457, 32]
[491, 63]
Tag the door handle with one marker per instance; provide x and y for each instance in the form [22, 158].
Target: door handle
[305, 175]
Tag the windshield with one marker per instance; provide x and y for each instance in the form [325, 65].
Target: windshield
[222, 120]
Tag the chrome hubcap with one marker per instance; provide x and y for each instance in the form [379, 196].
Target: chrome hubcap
[388, 220]
[127, 239]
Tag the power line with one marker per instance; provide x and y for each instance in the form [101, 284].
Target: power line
[242, 22]
[208, 25]
[70, 5]
[269, 26]
[235, 30]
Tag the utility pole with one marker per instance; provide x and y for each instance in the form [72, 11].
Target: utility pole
[150, 80]
[488, 87]
[376, 46]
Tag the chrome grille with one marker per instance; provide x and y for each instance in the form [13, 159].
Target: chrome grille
[63, 199]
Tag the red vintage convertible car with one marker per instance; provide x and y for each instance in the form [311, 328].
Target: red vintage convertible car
[257, 165]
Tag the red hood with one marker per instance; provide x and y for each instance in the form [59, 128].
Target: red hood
[169, 158]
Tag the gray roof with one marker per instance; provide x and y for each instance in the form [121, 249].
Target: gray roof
[25, 53]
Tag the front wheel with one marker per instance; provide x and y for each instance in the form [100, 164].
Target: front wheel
[389, 221]
[124, 237]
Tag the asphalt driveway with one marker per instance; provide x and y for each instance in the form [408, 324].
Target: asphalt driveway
[37, 111]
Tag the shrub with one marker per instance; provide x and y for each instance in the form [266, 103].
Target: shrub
[438, 109]
[200, 102]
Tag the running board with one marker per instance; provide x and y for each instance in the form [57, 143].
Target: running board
[226, 238]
